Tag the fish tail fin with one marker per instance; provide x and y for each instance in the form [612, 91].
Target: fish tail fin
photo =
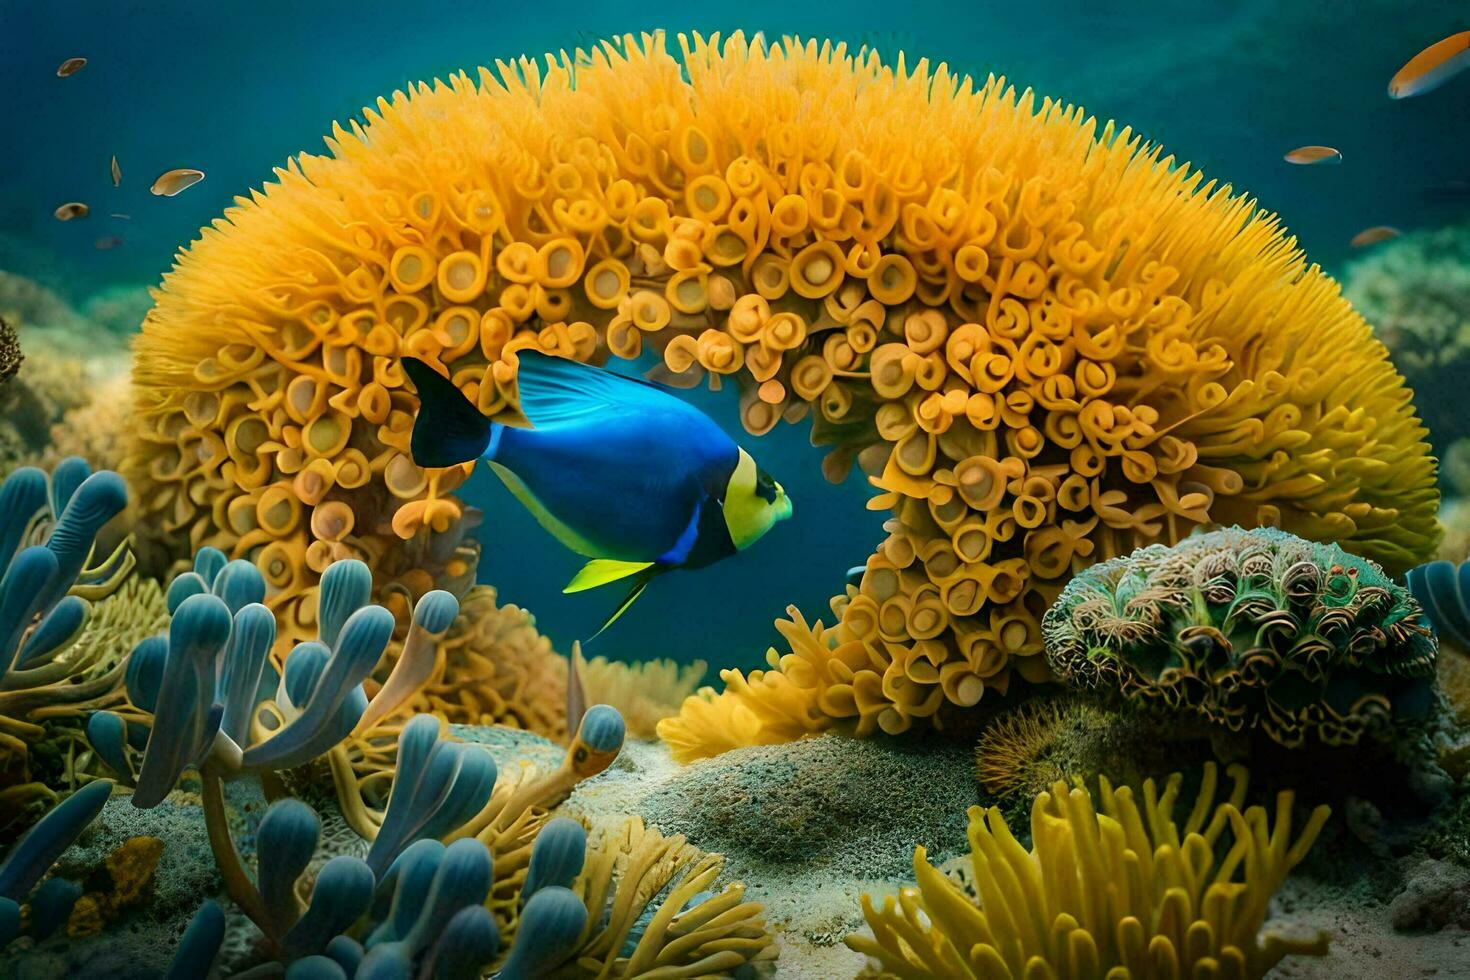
[601, 571]
[628, 600]
[449, 429]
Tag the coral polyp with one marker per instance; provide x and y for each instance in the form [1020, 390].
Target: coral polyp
[1121, 890]
[1047, 341]
[1248, 630]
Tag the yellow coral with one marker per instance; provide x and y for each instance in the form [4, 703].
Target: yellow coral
[1126, 893]
[644, 693]
[1046, 341]
[1026, 749]
[633, 867]
[130, 873]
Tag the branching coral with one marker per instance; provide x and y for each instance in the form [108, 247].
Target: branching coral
[496, 668]
[1250, 630]
[645, 692]
[1127, 893]
[1415, 291]
[48, 575]
[1047, 341]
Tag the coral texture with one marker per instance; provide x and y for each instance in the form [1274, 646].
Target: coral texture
[645, 692]
[1248, 629]
[1027, 750]
[10, 352]
[1127, 893]
[1415, 291]
[495, 668]
[1047, 341]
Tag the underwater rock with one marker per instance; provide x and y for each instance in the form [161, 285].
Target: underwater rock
[1436, 894]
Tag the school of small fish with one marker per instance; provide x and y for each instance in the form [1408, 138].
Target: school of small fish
[167, 185]
[1425, 72]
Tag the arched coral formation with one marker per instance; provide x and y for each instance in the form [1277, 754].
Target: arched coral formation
[1047, 341]
[1126, 893]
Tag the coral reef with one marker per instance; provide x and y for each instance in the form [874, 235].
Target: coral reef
[118, 310]
[44, 390]
[125, 882]
[1047, 341]
[1249, 630]
[31, 858]
[48, 578]
[496, 669]
[1024, 751]
[1415, 291]
[645, 693]
[11, 355]
[1127, 892]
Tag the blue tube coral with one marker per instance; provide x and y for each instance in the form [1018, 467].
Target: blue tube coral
[54, 833]
[1443, 589]
[556, 857]
[200, 945]
[197, 638]
[437, 786]
[551, 923]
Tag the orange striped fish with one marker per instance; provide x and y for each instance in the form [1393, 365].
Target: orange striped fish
[1432, 67]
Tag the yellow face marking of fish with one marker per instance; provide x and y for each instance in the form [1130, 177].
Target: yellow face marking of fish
[753, 503]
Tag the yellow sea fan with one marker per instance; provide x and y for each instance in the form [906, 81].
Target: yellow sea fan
[1047, 342]
[645, 692]
[1125, 894]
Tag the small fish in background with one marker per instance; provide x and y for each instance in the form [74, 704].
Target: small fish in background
[1374, 235]
[171, 183]
[121, 217]
[116, 173]
[70, 67]
[108, 243]
[1309, 155]
[617, 469]
[71, 210]
[1432, 67]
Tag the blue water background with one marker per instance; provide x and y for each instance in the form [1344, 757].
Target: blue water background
[234, 88]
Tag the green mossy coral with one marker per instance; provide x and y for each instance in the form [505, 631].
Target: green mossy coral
[1249, 630]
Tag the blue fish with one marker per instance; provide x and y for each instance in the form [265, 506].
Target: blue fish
[616, 468]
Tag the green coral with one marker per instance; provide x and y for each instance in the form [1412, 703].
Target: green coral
[1250, 630]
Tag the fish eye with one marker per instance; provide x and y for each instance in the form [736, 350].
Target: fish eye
[765, 487]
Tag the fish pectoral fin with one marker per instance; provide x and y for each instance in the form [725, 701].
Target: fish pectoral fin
[449, 429]
[632, 596]
[601, 571]
[679, 553]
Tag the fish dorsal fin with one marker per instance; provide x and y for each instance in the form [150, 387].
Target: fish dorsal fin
[601, 571]
[558, 391]
[449, 429]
